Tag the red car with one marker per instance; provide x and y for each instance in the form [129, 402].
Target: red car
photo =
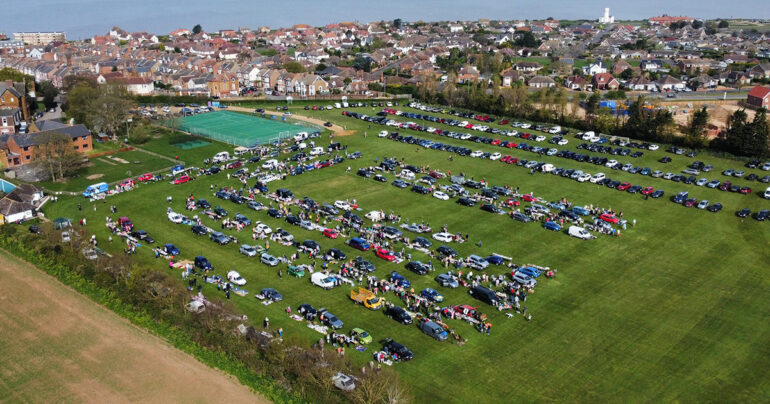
[609, 218]
[144, 177]
[331, 233]
[529, 198]
[648, 190]
[505, 158]
[234, 164]
[624, 186]
[437, 174]
[504, 122]
[525, 135]
[468, 126]
[385, 254]
[511, 145]
[127, 183]
[181, 180]
[745, 190]
[495, 142]
[512, 202]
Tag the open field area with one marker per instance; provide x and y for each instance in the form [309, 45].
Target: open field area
[110, 168]
[58, 346]
[675, 309]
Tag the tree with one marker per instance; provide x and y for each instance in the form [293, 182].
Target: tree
[723, 24]
[12, 74]
[527, 40]
[76, 105]
[294, 67]
[698, 122]
[197, 29]
[362, 63]
[592, 103]
[107, 112]
[47, 90]
[697, 24]
[397, 23]
[55, 154]
[71, 81]
[320, 67]
[627, 74]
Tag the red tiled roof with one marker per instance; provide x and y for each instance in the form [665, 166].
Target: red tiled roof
[760, 92]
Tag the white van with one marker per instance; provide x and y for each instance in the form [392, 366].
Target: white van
[300, 136]
[555, 130]
[317, 151]
[407, 174]
[547, 168]
[767, 193]
[579, 232]
[221, 157]
[345, 104]
[337, 105]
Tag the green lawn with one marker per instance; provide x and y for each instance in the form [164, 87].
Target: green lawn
[109, 170]
[673, 310]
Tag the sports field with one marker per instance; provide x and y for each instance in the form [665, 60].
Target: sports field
[673, 310]
[239, 129]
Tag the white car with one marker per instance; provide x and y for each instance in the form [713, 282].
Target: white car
[555, 130]
[383, 133]
[597, 177]
[342, 205]
[562, 142]
[322, 280]
[579, 232]
[270, 164]
[262, 228]
[540, 138]
[375, 216]
[583, 177]
[317, 151]
[495, 156]
[465, 136]
[653, 147]
[175, 217]
[344, 382]
[512, 133]
[236, 278]
[441, 195]
[526, 125]
[444, 237]
[477, 153]
[611, 163]
[547, 168]
[307, 225]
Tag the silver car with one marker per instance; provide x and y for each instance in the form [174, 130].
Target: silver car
[701, 182]
[268, 259]
[524, 280]
[248, 250]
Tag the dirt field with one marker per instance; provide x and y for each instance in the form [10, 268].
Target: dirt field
[58, 346]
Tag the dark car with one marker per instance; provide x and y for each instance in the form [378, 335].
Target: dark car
[363, 265]
[446, 251]
[715, 207]
[222, 194]
[273, 212]
[142, 235]
[420, 189]
[399, 351]
[400, 183]
[399, 314]
[485, 295]
[199, 230]
[488, 207]
[203, 204]
[657, 193]
[466, 202]
[521, 217]
[307, 311]
[336, 254]
[364, 173]
[417, 267]
[762, 215]
[202, 263]
[743, 213]
[311, 245]
[291, 219]
[422, 242]
[271, 294]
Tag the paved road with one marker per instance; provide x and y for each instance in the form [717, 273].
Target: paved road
[52, 115]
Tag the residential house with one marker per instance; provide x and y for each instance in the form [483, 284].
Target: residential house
[577, 83]
[223, 85]
[138, 85]
[620, 66]
[759, 71]
[468, 72]
[20, 204]
[738, 78]
[20, 148]
[605, 81]
[541, 82]
[759, 97]
[530, 67]
[669, 83]
[511, 76]
[595, 68]
[9, 118]
[641, 83]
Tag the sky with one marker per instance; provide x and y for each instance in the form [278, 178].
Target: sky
[85, 18]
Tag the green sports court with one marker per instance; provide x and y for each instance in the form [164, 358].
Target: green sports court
[240, 129]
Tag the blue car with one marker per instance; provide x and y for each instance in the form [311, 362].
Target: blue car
[432, 295]
[359, 244]
[399, 280]
[171, 249]
[530, 271]
[550, 225]
[495, 260]
[580, 210]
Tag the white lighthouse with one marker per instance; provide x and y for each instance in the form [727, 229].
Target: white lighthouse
[606, 18]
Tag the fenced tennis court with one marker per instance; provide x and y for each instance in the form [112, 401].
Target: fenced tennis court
[241, 129]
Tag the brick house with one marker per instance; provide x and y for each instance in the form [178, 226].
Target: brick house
[19, 149]
[223, 85]
[605, 81]
[759, 97]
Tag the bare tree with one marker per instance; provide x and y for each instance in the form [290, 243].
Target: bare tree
[56, 155]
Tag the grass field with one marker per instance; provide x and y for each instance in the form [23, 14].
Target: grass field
[58, 346]
[673, 310]
[106, 169]
[238, 129]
